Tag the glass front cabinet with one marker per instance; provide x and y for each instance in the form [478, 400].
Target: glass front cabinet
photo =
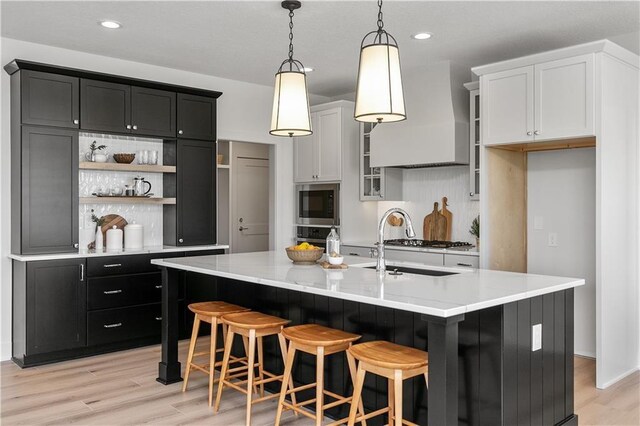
[474, 139]
[376, 183]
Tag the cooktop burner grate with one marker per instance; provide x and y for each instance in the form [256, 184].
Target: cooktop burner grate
[427, 243]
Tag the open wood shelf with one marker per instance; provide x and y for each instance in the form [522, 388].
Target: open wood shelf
[126, 200]
[119, 167]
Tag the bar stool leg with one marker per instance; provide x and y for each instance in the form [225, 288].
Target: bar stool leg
[250, 372]
[283, 351]
[390, 400]
[192, 347]
[245, 342]
[225, 366]
[212, 357]
[288, 366]
[319, 385]
[357, 391]
[352, 372]
[397, 384]
[260, 366]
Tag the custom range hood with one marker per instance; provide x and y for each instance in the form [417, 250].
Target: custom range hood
[436, 131]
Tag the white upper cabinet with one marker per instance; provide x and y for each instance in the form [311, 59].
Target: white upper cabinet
[318, 158]
[564, 91]
[507, 106]
[542, 102]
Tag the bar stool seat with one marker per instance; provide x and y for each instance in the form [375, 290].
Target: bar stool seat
[209, 312]
[320, 341]
[395, 362]
[252, 326]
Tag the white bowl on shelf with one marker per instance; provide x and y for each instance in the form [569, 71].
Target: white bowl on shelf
[335, 260]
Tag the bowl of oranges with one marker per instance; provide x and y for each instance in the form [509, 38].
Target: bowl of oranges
[304, 253]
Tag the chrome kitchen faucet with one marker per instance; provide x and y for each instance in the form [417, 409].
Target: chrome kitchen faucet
[380, 264]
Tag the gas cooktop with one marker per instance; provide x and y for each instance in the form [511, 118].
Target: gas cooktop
[427, 243]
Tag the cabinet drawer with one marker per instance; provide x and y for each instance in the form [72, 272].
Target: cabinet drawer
[355, 251]
[125, 264]
[114, 325]
[456, 260]
[126, 290]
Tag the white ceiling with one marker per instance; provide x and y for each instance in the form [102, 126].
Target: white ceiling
[247, 40]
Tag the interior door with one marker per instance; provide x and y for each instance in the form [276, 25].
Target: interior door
[250, 229]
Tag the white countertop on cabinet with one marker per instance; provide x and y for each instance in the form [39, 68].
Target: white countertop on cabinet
[146, 250]
[442, 296]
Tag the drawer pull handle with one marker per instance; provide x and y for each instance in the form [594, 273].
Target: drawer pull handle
[117, 324]
[158, 318]
[113, 265]
[112, 291]
[353, 254]
[465, 264]
[159, 286]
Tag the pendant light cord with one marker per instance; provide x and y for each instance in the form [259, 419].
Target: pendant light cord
[380, 22]
[290, 39]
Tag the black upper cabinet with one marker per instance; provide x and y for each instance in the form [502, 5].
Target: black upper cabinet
[105, 106]
[56, 305]
[196, 117]
[196, 192]
[153, 112]
[45, 205]
[49, 99]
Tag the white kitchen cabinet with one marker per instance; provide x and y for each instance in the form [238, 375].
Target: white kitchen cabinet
[507, 106]
[376, 183]
[318, 158]
[542, 102]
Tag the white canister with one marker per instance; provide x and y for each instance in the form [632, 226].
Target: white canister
[114, 239]
[133, 236]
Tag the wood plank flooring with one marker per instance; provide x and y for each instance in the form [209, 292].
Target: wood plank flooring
[120, 388]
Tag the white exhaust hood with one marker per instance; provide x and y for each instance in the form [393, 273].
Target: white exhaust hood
[436, 131]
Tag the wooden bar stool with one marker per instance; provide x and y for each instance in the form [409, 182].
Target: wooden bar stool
[395, 362]
[208, 312]
[319, 341]
[253, 326]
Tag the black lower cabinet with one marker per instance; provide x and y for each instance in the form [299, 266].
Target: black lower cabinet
[64, 309]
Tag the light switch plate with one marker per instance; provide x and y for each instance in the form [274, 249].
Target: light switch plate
[536, 337]
[553, 239]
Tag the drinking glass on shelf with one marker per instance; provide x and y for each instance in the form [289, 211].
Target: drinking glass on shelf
[140, 157]
[153, 157]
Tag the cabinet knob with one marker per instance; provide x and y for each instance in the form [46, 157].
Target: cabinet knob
[180, 240]
[529, 133]
[180, 132]
[537, 132]
[135, 127]
[128, 126]
[76, 121]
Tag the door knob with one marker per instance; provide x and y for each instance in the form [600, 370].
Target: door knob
[242, 228]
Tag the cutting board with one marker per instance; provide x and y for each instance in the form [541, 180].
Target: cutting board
[434, 226]
[110, 221]
[446, 213]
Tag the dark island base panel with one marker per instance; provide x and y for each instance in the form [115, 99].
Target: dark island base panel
[537, 386]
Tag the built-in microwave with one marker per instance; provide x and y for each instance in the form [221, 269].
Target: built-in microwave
[317, 204]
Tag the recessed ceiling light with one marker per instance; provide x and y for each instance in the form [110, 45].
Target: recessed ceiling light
[110, 24]
[307, 69]
[422, 36]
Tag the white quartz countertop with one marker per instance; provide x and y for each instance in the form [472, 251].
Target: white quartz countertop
[146, 250]
[473, 251]
[444, 296]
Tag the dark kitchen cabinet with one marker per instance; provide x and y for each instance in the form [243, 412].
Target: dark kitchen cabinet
[49, 99]
[192, 220]
[45, 191]
[55, 305]
[153, 112]
[196, 117]
[105, 106]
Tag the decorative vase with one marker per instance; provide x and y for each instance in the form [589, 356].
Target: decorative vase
[99, 239]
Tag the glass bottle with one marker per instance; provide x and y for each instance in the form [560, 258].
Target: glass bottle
[333, 243]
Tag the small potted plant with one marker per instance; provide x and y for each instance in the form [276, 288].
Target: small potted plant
[97, 156]
[99, 242]
[475, 230]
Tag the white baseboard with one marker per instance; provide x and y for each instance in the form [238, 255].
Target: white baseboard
[5, 351]
[619, 377]
[586, 354]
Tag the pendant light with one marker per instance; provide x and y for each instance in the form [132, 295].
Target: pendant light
[290, 115]
[379, 95]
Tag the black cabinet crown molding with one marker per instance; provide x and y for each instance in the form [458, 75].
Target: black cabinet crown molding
[20, 64]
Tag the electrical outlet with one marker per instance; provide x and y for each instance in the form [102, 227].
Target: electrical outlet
[536, 337]
[538, 223]
[553, 239]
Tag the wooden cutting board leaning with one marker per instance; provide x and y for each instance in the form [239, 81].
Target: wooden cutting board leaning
[446, 213]
[434, 226]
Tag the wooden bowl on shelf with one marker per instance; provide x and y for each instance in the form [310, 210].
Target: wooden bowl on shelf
[304, 257]
[124, 158]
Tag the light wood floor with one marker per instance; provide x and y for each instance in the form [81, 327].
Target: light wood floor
[120, 388]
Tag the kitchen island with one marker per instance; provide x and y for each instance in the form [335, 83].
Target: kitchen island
[476, 324]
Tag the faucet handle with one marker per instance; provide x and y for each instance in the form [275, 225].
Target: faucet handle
[373, 252]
